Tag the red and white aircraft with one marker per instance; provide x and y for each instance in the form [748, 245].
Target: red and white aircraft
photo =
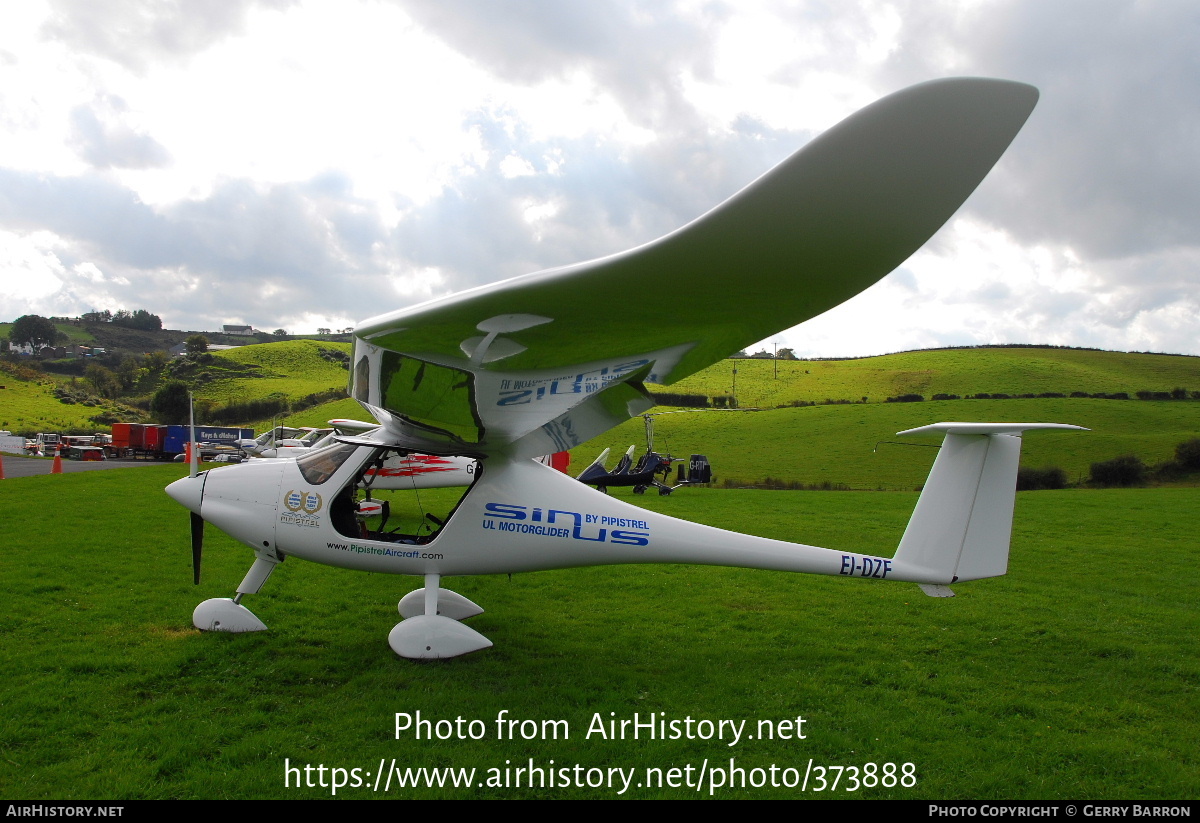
[397, 471]
[506, 372]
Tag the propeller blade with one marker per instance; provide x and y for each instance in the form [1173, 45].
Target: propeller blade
[197, 545]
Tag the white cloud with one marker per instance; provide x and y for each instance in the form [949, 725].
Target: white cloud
[30, 270]
[302, 148]
[514, 166]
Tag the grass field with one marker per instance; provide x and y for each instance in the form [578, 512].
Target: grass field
[1074, 677]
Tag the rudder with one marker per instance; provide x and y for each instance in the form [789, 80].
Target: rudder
[962, 526]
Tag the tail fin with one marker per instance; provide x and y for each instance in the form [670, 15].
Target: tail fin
[961, 527]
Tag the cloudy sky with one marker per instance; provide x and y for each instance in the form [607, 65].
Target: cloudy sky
[307, 164]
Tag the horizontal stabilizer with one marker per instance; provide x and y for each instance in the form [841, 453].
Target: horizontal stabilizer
[986, 428]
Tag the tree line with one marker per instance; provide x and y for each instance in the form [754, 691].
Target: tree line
[136, 319]
[37, 331]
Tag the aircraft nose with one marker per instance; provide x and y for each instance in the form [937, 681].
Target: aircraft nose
[188, 492]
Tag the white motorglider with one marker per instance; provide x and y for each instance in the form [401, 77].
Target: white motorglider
[519, 368]
[254, 447]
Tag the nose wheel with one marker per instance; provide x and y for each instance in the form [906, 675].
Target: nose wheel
[223, 614]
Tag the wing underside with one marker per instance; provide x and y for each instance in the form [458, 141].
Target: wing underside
[521, 367]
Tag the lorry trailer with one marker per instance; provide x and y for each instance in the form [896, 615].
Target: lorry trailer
[164, 442]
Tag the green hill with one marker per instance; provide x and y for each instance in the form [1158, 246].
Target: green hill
[293, 368]
[836, 444]
[290, 370]
[31, 401]
[944, 371]
[28, 406]
[75, 335]
[812, 444]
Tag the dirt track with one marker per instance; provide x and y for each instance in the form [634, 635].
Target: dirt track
[15, 467]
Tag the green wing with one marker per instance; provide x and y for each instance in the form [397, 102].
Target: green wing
[526, 366]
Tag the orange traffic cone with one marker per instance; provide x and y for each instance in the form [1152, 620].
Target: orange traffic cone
[57, 467]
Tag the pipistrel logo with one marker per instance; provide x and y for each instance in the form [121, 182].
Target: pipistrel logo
[309, 502]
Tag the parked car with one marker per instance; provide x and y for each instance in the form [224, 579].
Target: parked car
[226, 458]
[223, 457]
